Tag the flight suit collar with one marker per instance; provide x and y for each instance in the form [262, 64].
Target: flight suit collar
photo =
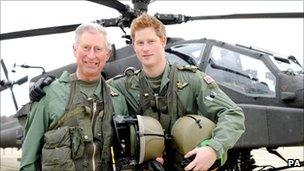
[65, 77]
[98, 90]
[165, 78]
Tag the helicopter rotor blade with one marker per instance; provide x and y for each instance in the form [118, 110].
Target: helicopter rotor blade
[4, 69]
[20, 81]
[168, 19]
[120, 7]
[14, 98]
[39, 32]
[249, 16]
[2, 88]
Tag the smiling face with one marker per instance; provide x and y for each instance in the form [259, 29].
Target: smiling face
[149, 47]
[91, 54]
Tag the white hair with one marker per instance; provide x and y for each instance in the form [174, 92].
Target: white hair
[91, 27]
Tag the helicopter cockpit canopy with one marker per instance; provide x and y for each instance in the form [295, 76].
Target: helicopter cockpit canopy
[287, 65]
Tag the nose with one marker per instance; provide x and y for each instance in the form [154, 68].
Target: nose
[145, 47]
[91, 54]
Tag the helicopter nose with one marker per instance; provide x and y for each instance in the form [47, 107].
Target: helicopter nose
[299, 97]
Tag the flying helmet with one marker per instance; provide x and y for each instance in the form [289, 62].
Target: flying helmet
[137, 139]
[188, 131]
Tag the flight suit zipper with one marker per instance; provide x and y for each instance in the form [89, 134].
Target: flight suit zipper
[94, 106]
[157, 105]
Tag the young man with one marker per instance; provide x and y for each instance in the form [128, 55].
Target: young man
[70, 128]
[167, 92]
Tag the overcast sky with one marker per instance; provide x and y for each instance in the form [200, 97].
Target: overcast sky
[284, 36]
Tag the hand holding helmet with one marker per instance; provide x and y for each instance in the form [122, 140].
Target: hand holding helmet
[204, 158]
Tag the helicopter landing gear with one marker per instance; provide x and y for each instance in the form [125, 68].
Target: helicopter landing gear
[239, 160]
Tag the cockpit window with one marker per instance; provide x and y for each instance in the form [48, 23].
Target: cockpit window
[287, 65]
[192, 50]
[241, 73]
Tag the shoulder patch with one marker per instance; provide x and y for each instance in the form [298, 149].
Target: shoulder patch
[181, 85]
[211, 84]
[191, 68]
[118, 76]
[137, 71]
[113, 94]
[208, 79]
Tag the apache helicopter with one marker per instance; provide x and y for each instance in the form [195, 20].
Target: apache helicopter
[270, 92]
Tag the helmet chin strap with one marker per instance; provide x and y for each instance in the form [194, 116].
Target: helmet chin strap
[141, 139]
[198, 121]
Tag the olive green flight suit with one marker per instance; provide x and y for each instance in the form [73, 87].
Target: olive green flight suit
[70, 128]
[184, 90]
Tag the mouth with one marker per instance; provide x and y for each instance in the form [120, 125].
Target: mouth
[147, 56]
[91, 64]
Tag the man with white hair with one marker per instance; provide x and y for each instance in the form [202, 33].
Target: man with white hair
[70, 127]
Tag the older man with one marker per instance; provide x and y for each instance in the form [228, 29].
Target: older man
[70, 128]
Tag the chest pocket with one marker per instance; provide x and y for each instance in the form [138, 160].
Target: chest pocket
[94, 111]
[157, 107]
[187, 97]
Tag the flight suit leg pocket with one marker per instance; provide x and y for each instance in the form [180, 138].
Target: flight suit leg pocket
[56, 152]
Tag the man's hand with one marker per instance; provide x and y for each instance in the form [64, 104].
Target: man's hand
[36, 91]
[154, 165]
[204, 158]
[160, 160]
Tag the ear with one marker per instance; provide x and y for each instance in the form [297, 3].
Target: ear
[108, 55]
[164, 41]
[74, 49]
[132, 44]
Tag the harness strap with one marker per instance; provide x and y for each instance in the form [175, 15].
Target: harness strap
[65, 116]
[172, 100]
[73, 80]
[145, 92]
[106, 125]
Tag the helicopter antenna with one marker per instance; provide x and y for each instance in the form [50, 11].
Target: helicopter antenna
[28, 66]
